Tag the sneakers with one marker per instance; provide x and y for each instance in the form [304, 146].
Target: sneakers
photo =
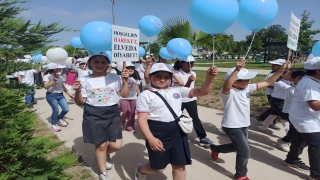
[298, 165]
[62, 123]
[205, 142]
[55, 128]
[138, 175]
[240, 178]
[260, 122]
[273, 126]
[284, 145]
[104, 176]
[109, 163]
[267, 130]
[214, 154]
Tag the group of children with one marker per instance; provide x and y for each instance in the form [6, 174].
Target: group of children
[99, 89]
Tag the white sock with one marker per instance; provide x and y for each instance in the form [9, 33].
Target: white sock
[268, 121]
[286, 125]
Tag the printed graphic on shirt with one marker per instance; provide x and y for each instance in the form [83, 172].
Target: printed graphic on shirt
[103, 95]
[131, 85]
[176, 95]
[248, 94]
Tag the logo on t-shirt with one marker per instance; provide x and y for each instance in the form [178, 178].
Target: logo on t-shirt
[176, 95]
[103, 95]
[248, 94]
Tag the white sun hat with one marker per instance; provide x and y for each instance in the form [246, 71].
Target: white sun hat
[160, 67]
[312, 64]
[188, 59]
[55, 66]
[243, 74]
[278, 62]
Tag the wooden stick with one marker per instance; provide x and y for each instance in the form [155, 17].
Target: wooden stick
[124, 65]
[289, 54]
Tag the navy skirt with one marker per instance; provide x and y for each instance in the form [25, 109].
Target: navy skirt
[101, 124]
[175, 143]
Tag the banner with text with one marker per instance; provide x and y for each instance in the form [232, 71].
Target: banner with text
[125, 44]
[293, 34]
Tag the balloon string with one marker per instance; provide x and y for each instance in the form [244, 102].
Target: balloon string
[74, 52]
[254, 33]
[149, 45]
[212, 49]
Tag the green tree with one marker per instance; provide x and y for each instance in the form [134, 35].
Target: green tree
[73, 51]
[19, 36]
[305, 41]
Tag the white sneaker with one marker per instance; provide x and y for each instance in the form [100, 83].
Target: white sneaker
[139, 175]
[62, 123]
[109, 163]
[55, 128]
[265, 130]
[104, 176]
[284, 146]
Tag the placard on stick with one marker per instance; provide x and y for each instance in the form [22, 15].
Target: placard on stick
[125, 44]
[293, 34]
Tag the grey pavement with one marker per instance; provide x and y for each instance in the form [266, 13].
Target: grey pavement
[264, 164]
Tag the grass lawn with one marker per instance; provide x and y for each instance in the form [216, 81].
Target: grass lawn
[249, 65]
[259, 101]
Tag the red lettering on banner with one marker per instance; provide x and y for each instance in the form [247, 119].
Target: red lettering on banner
[124, 40]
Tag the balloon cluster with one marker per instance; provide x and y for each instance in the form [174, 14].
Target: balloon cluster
[316, 49]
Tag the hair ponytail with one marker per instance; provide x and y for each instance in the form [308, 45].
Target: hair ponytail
[177, 65]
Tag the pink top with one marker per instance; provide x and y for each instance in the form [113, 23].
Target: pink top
[71, 78]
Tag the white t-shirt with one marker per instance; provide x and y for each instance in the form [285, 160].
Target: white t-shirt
[57, 87]
[113, 71]
[102, 91]
[288, 99]
[132, 88]
[149, 102]
[27, 77]
[81, 72]
[269, 91]
[236, 112]
[184, 77]
[304, 119]
[139, 67]
[280, 89]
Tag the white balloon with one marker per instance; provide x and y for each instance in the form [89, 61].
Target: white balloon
[68, 61]
[57, 55]
[44, 60]
[120, 66]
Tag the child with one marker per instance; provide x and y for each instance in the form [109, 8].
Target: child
[276, 65]
[277, 100]
[111, 68]
[285, 142]
[165, 141]
[53, 82]
[139, 67]
[185, 73]
[235, 95]
[82, 70]
[128, 104]
[100, 93]
[304, 114]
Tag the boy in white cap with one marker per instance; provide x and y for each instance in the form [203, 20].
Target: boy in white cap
[275, 66]
[304, 114]
[235, 94]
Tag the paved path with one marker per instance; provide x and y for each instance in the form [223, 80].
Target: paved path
[260, 71]
[265, 162]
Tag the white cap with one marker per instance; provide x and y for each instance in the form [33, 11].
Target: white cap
[129, 64]
[243, 74]
[27, 56]
[312, 64]
[151, 54]
[160, 67]
[113, 65]
[25, 60]
[278, 62]
[99, 54]
[190, 58]
[55, 66]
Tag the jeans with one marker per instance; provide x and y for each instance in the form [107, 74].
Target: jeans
[266, 113]
[288, 138]
[140, 87]
[192, 109]
[55, 99]
[38, 79]
[29, 98]
[239, 139]
[312, 141]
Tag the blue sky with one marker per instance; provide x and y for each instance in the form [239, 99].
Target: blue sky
[76, 13]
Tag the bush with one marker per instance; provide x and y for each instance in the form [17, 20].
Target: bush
[23, 156]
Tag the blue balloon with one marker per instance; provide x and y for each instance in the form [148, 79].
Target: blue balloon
[109, 55]
[257, 14]
[142, 51]
[179, 48]
[76, 42]
[150, 25]
[37, 58]
[316, 49]
[165, 54]
[213, 16]
[96, 36]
